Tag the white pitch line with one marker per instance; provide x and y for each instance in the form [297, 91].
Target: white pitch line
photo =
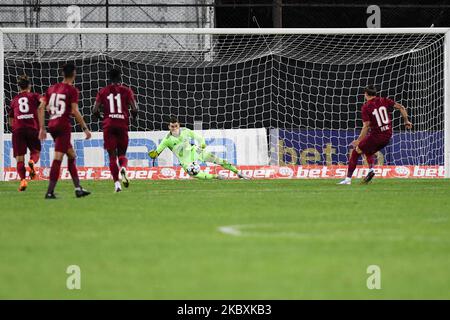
[236, 231]
[231, 230]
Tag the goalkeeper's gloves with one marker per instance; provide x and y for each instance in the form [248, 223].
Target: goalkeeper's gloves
[153, 154]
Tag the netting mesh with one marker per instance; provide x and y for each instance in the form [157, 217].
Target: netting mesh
[306, 90]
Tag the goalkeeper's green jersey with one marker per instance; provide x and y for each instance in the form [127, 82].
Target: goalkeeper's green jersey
[183, 146]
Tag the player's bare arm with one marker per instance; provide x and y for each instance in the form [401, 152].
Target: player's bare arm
[41, 118]
[79, 118]
[96, 109]
[133, 108]
[10, 121]
[364, 131]
[404, 113]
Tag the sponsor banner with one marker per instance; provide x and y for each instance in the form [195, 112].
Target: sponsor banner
[237, 146]
[331, 147]
[254, 172]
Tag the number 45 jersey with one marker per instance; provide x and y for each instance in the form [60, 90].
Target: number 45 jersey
[115, 99]
[59, 98]
[379, 112]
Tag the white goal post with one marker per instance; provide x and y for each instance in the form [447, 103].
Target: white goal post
[303, 86]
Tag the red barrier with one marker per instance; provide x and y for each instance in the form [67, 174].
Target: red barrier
[255, 172]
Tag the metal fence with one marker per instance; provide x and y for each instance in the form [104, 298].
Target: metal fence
[222, 13]
[107, 13]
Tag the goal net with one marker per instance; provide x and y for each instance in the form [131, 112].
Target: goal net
[286, 99]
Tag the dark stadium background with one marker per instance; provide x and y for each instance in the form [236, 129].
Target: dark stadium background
[211, 99]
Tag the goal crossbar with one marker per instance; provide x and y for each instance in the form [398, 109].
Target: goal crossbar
[223, 31]
[239, 31]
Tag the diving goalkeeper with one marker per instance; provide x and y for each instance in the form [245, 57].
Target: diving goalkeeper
[178, 140]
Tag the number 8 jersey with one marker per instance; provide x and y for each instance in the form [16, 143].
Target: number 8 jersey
[23, 110]
[59, 98]
[379, 112]
[115, 99]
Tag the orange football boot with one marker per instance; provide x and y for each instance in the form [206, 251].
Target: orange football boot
[23, 185]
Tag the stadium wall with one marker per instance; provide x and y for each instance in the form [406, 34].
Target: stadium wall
[332, 147]
[238, 146]
[247, 148]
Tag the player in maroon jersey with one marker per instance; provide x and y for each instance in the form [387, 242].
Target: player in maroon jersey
[376, 132]
[113, 102]
[61, 101]
[23, 119]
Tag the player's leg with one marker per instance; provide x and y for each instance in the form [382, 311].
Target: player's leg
[56, 164]
[72, 167]
[114, 169]
[200, 175]
[54, 172]
[209, 157]
[34, 144]
[35, 155]
[206, 176]
[19, 150]
[122, 146]
[62, 146]
[21, 166]
[110, 145]
[21, 172]
[353, 162]
[377, 143]
[370, 161]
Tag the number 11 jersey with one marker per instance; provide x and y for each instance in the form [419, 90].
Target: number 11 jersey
[115, 99]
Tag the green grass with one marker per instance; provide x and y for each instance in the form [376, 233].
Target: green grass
[160, 240]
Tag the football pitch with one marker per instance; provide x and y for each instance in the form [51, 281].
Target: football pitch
[260, 239]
